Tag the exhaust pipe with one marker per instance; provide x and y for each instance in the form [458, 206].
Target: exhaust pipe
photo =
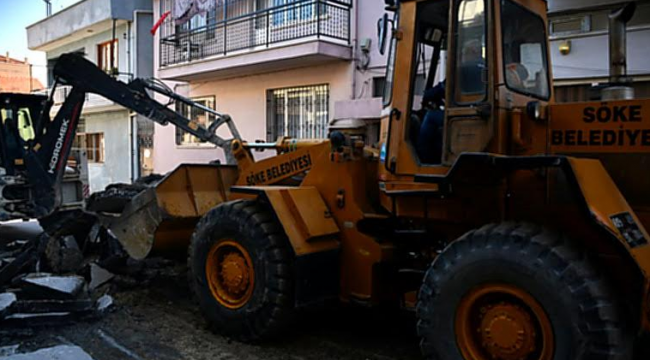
[618, 80]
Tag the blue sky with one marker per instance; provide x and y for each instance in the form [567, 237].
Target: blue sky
[15, 15]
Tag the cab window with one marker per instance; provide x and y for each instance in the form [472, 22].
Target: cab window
[25, 125]
[524, 51]
[426, 124]
[390, 73]
[471, 61]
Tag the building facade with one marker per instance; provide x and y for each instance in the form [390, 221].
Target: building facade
[288, 67]
[578, 31]
[277, 67]
[114, 34]
[16, 76]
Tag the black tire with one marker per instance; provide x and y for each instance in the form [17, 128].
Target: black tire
[587, 323]
[270, 309]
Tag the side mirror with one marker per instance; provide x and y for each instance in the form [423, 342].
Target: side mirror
[382, 31]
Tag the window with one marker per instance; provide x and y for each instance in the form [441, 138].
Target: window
[107, 59]
[25, 124]
[93, 144]
[524, 51]
[471, 51]
[390, 66]
[197, 115]
[299, 112]
[572, 25]
[378, 84]
[427, 116]
[288, 13]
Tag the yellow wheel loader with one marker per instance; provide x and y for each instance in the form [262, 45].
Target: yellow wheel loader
[514, 226]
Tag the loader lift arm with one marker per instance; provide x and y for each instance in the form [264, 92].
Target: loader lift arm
[76, 71]
[45, 156]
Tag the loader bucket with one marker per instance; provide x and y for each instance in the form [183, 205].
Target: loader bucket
[163, 217]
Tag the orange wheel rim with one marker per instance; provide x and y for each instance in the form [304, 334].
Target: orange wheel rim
[230, 274]
[503, 322]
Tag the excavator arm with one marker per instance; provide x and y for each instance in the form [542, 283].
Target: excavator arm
[34, 167]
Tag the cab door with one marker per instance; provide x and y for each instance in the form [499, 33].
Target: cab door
[469, 125]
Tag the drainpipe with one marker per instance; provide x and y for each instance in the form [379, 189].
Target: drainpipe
[137, 72]
[31, 79]
[618, 81]
[129, 59]
[355, 44]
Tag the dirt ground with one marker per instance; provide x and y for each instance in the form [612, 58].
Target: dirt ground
[156, 319]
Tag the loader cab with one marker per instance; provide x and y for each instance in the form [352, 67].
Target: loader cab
[459, 74]
[19, 114]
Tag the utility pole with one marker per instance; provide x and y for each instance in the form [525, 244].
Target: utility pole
[48, 7]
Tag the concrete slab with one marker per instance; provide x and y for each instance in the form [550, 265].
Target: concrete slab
[99, 276]
[19, 230]
[8, 350]
[31, 320]
[50, 306]
[45, 286]
[61, 352]
[6, 300]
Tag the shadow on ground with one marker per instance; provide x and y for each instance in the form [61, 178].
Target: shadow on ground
[156, 319]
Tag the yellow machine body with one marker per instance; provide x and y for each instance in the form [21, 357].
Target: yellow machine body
[580, 169]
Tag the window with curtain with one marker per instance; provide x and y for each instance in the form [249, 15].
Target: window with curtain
[107, 59]
[93, 144]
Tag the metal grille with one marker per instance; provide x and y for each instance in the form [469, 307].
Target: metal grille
[248, 24]
[299, 112]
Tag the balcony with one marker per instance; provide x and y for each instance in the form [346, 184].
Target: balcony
[81, 20]
[248, 42]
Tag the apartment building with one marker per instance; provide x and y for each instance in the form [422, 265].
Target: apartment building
[278, 67]
[16, 76]
[579, 47]
[114, 34]
[288, 67]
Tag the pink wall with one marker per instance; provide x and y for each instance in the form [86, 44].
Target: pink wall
[244, 98]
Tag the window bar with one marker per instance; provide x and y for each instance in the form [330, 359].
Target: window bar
[318, 19]
[349, 24]
[225, 27]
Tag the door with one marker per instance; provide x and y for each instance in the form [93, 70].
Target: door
[469, 122]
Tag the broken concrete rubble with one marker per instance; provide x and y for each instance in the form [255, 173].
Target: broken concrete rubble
[77, 266]
[8, 350]
[45, 306]
[28, 255]
[104, 304]
[61, 352]
[99, 276]
[39, 319]
[6, 301]
[64, 255]
[46, 286]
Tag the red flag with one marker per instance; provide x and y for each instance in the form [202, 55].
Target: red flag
[159, 22]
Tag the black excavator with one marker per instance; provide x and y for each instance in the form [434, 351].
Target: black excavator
[39, 173]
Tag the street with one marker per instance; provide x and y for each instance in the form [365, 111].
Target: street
[158, 320]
